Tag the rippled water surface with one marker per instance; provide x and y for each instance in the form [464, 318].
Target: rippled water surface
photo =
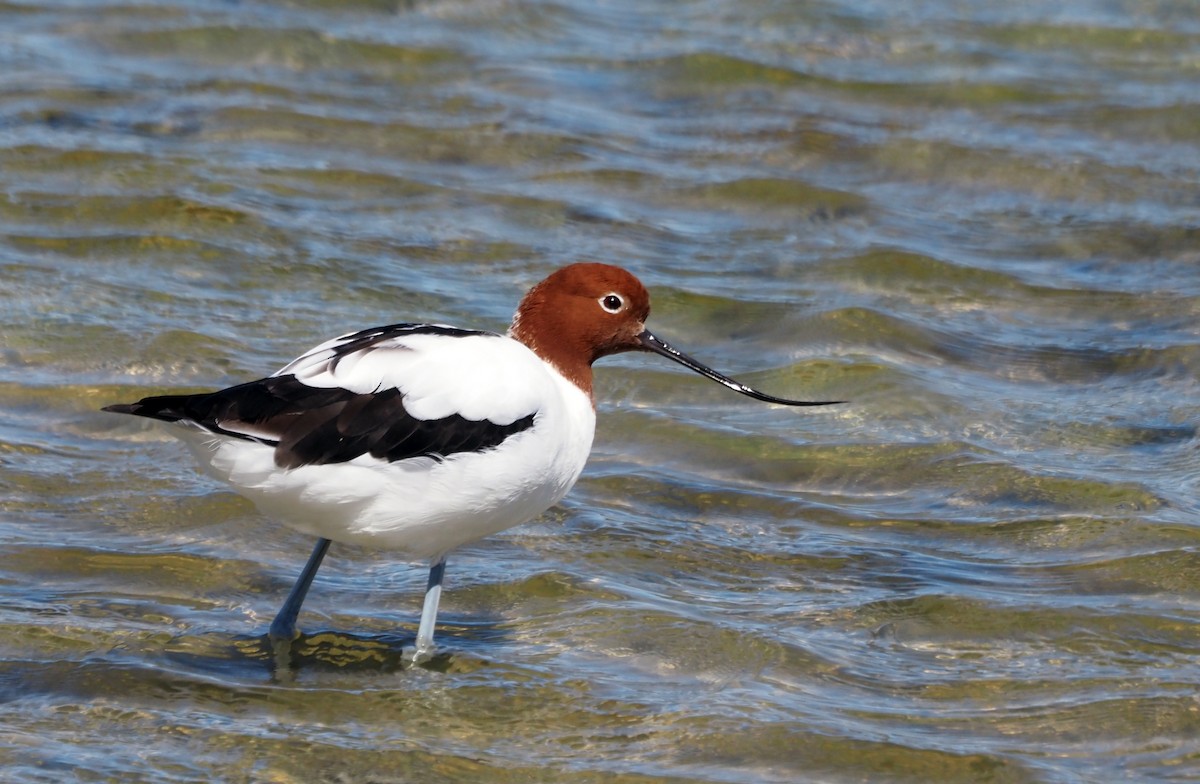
[977, 222]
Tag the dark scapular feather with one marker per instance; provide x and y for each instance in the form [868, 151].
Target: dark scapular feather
[317, 425]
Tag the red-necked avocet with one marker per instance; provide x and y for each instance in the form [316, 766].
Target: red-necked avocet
[420, 438]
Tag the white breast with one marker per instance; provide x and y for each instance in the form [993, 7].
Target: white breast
[421, 506]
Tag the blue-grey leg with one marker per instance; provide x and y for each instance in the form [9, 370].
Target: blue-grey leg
[283, 628]
[433, 594]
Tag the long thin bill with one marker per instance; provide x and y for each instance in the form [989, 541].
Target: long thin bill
[650, 343]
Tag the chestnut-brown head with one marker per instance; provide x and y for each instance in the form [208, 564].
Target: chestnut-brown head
[581, 313]
[585, 311]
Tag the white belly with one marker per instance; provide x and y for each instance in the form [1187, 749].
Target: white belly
[420, 507]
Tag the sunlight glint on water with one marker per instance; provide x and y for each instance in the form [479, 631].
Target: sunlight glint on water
[975, 222]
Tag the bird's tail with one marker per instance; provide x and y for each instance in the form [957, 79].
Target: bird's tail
[167, 408]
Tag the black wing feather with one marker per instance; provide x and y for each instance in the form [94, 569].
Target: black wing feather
[318, 425]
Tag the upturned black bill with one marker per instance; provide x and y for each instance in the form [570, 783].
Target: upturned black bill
[651, 343]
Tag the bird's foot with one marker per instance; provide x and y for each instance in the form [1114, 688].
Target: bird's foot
[280, 639]
[414, 655]
[282, 633]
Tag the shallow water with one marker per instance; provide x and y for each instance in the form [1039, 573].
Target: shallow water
[978, 223]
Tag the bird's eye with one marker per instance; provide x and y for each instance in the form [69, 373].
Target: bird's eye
[611, 302]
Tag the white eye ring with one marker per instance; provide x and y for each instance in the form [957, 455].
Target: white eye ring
[612, 302]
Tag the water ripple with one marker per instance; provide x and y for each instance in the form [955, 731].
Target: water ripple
[976, 223]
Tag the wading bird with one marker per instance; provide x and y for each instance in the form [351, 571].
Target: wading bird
[420, 438]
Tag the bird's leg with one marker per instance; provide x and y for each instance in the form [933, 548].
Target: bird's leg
[433, 594]
[283, 628]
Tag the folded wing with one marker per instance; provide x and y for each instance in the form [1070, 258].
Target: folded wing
[347, 398]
